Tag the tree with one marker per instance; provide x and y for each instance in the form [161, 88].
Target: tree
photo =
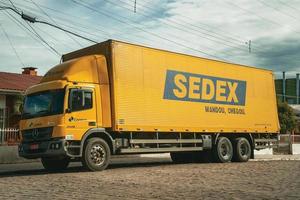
[286, 118]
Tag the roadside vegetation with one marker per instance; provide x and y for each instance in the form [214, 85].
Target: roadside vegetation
[287, 118]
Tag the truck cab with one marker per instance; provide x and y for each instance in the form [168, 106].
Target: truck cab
[59, 112]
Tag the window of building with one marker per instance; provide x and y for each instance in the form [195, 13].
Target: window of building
[3, 118]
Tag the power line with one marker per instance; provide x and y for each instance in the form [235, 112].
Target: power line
[141, 29]
[276, 9]
[47, 23]
[75, 26]
[28, 31]
[12, 4]
[44, 41]
[131, 33]
[261, 17]
[45, 13]
[12, 46]
[203, 26]
[225, 53]
[52, 37]
[9, 8]
[171, 23]
[34, 20]
[294, 8]
[219, 38]
[36, 33]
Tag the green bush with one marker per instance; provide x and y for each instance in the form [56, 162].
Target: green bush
[286, 118]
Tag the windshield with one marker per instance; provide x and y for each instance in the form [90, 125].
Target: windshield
[45, 103]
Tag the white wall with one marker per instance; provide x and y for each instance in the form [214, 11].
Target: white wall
[268, 151]
[296, 148]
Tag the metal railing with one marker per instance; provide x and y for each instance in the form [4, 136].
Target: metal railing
[9, 136]
[289, 138]
[286, 142]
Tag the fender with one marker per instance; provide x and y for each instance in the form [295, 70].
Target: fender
[100, 131]
[216, 138]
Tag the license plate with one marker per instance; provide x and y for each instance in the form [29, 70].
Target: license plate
[34, 146]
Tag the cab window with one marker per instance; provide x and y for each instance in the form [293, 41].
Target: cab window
[80, 99]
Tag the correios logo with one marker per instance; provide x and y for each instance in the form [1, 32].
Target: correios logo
[184, 86]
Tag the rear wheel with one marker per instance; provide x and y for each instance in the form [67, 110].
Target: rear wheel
[223, 150]
[242, 150]
[55, 164]
[96, 154]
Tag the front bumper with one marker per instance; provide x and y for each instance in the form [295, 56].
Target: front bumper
[51, 148]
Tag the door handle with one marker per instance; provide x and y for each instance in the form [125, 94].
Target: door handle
[92, 123]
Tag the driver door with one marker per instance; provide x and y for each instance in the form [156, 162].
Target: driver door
[81, 112]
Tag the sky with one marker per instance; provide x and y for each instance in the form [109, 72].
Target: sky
[217, 29]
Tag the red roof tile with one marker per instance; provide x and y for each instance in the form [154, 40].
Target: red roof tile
[18, 82]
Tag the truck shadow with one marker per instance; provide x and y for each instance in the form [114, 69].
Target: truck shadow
[79, 169]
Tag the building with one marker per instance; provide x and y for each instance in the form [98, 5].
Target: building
[12, 88]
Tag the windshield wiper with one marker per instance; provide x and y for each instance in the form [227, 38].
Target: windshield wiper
[42, 111]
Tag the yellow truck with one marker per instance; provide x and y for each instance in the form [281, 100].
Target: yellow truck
[119, 98]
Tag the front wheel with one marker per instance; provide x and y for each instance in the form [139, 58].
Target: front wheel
[96, 154]
[223, 150]
[55, 164]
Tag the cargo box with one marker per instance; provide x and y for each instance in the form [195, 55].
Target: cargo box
[162, 91]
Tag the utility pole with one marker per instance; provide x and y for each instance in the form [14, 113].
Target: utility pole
[297, 88]
[249, 45]
[283, 86]
[134, 6]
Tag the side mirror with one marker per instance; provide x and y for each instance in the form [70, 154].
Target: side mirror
[68, 110]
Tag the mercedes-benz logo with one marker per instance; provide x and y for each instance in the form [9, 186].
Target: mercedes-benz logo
[35, 133]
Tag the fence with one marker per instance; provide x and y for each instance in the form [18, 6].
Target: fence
[287, 144]
[9, 136]
[289, 138]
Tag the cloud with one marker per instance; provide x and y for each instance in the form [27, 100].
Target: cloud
[218, 28]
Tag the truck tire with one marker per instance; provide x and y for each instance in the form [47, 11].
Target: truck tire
[96, 154]
[55, 164]
[242, 150]
[223, 150]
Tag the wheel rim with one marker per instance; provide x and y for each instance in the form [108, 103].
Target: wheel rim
[97, 154]
[244, 149]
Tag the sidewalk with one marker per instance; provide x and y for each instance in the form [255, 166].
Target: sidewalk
[275, 157]
[260, 157]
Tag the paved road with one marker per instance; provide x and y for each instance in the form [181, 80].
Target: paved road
[154, 178]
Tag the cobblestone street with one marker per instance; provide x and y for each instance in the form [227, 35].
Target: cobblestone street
[149, 178]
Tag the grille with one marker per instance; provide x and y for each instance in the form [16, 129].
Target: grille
[37, 134]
